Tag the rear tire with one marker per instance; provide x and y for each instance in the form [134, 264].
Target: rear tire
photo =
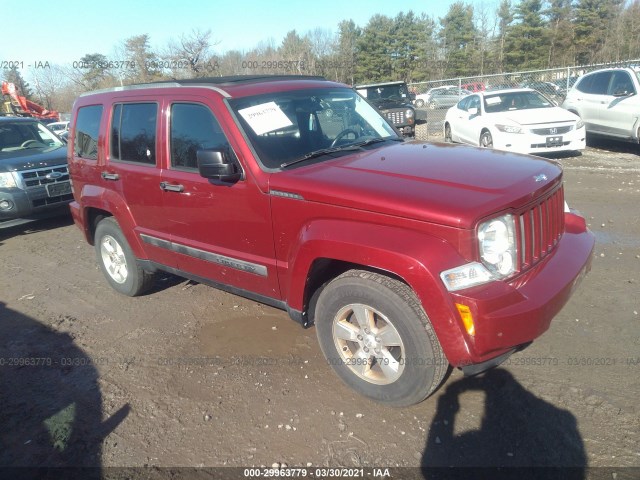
[378, 339]
[419, 103]
[117, 261]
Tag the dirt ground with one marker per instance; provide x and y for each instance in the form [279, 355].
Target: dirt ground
[191, 376]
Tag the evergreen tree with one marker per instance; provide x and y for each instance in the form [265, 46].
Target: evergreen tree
[527, 41]
[505, 18]
[374, 51]
[593, 22]
[561, 48]
[410, 48]
[457, 40]
[345, 61]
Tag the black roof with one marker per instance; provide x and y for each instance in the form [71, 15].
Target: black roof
[235, 79]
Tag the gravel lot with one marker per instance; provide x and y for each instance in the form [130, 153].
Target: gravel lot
[191, 376]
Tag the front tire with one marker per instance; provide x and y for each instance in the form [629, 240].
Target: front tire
[447, 133]
[117, 261]
[378, 339]
[419, 103]
[486, 140]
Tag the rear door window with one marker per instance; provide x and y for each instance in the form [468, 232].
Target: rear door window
[621, 84]
[133, 132]
[597, 83]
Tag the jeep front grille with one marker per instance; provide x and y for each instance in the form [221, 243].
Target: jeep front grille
[539, 229]
[396, 118]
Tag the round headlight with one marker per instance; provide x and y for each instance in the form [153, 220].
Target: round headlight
[497, 245]
[409, 113]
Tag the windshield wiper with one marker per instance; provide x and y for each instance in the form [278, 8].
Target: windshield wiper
[342, 148]
[378, 140]
[319, 153]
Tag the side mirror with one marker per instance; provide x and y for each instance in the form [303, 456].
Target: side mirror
[216, 165]
[473, 111]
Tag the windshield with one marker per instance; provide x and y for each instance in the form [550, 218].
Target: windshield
[505, 102]
[396, 93]
[287, 126]
[16, 136]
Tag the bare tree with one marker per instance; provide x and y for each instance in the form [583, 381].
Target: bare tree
[191, 55]
[47, 81]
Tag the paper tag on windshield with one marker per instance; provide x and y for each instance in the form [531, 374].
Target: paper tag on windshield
[265, 117]
[493, 100]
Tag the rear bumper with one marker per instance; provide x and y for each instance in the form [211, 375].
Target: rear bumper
[510, 314]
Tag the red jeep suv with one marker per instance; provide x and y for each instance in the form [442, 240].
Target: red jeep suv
[294, 191]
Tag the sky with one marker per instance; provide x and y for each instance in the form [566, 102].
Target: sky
[64, 34]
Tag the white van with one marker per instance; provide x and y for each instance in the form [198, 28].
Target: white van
[608, 102]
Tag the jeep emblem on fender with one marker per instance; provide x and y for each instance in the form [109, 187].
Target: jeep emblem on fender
[540, 178]
[53, 175]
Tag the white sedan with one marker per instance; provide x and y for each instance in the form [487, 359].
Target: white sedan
[518, 120]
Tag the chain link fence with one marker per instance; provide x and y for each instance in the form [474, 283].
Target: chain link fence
[434, 98]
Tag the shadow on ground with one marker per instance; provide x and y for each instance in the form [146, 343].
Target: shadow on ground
[612, 145]
[7, 230]
[517, 431]
[50, 401]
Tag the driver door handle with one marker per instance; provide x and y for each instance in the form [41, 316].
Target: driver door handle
[110, 176]
[168, 187]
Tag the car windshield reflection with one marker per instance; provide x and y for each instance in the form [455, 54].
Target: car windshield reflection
[504, 102]
[285, 127]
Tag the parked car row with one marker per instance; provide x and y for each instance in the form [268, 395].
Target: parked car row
[440, 97]
[603, 103]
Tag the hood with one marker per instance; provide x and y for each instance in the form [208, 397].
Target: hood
[31, 158]
[446, 184]
[537, 116]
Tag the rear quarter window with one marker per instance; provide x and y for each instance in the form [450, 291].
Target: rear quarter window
[87, 128]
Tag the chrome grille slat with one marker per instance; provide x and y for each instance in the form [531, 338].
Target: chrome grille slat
[547, 131]
[37, 177]
[539, 229]
[396, 117]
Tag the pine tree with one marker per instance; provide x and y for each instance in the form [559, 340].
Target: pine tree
[527, 41]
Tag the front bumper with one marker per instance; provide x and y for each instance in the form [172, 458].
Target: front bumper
[510, 314]
[32, 203]
[531, 143]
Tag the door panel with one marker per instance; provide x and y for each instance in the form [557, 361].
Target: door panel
[132, 169]
[221, 231]
[620, 112]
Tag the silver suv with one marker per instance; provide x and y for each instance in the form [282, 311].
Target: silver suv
[608, 102]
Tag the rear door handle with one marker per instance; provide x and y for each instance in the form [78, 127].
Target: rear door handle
[168, 187]
[110, 176]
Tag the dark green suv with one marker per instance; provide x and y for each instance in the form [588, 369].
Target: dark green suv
[394, 102]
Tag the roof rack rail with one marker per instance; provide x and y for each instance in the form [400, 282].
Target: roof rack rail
[204, 81]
